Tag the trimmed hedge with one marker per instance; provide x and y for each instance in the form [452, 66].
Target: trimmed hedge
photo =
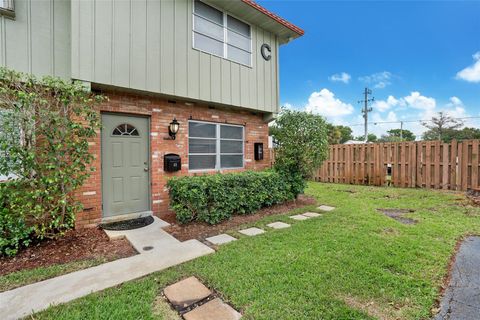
[214, 198]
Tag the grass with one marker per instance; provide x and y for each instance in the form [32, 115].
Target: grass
[24, 277]
[352, 263]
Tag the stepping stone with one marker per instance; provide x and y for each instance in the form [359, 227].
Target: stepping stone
[213, 310]
[278, 225]
[299, 217]
[312, 214]
[186, 292]
[221, 239]
[251, 231]
[326, 208]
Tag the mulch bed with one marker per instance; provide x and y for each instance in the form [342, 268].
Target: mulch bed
[201, 230]
[76, 245]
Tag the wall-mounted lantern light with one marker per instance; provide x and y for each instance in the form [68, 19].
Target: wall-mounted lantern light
[173, 128]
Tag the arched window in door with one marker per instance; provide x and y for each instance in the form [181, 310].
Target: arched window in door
[125, 129]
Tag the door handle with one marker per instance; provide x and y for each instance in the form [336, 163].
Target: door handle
[145, 169]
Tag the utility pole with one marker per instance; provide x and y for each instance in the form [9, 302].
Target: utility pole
[401, 130]
[366, 109]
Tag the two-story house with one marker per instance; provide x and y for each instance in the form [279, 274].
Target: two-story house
[207, 67]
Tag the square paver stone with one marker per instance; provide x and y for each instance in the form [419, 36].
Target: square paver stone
[326, 208]
[311, 214]
[278, 225]
[299, 217]
[251, 231]
[186, 292]
[221, 239]
[213, 310]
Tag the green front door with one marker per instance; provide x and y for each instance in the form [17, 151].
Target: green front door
[125, 164]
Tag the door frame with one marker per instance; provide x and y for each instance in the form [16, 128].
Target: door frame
[149, 160]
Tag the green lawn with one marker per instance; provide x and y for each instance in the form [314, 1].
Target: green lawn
[352, 263]
[24, 277]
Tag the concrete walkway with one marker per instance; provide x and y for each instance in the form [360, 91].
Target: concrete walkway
[163, 251]
[462, 297]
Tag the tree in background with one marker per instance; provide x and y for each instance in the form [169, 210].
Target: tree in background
[466, 133]
[345, 133]
[397, 135]
[302, 145]
[440, 126]
[334, 134]
[371, 138]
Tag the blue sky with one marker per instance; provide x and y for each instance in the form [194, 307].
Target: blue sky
[417, 57]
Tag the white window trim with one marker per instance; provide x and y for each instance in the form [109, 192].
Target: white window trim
[225, 31]
[7, 8]
[218, 154]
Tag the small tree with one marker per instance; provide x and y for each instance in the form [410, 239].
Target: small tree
[302, 145]
[439, 126]
[338, 134]
[370, 138]
[398, 135]
[44, 144]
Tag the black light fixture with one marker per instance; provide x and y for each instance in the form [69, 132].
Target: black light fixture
[173, 128]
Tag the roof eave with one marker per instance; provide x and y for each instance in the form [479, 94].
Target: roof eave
[257, 15]
[298, 31]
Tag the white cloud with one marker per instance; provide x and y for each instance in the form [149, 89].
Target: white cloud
[340, 77]
[384, 105]
[379, 80]
[471, 73]
[325, 104]
[455, 108]
[416, 106]
[455, 101]
[417, 101]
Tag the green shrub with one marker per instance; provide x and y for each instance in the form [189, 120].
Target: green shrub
[214, 198]
[44, 132]
[302, 146]
[14, 230]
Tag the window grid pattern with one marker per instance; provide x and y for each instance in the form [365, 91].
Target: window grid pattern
[6, 5]
[215, 146]
[125, 129]
[218, 33]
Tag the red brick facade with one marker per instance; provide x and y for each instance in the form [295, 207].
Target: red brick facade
[161, 113]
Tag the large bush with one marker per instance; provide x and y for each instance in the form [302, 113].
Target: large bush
[45, 127]
[302, 146]
[213, 198]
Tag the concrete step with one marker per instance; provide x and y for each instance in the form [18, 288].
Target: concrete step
[167, 252]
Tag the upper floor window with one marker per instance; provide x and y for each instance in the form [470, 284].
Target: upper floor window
[220, 34]
[6, 5]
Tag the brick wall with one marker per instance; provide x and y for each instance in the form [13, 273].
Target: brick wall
[161, 113]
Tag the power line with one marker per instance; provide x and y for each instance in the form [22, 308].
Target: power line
[408, 121]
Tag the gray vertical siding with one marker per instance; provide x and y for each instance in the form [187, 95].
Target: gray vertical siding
[138, 44]
[147, 45]
[38, 39]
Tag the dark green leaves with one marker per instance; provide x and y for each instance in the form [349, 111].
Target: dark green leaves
[214, 198]
[46, 125]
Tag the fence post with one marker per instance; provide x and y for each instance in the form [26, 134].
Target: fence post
[445, 166]
[475, 164]
[426, 164]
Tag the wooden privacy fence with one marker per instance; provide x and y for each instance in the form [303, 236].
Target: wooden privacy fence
[422, 164]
